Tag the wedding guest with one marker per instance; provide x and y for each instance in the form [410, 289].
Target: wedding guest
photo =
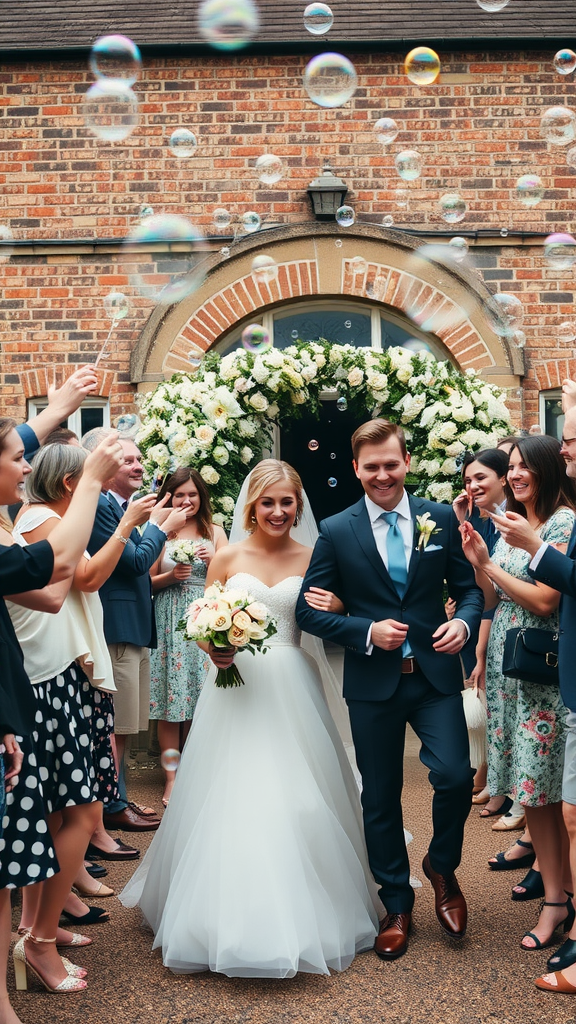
[26, 570]
[62, 436]
[525, 720]
[178, 668]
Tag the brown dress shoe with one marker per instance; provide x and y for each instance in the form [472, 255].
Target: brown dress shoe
[451, 909]
[130, 821]
[392, 940]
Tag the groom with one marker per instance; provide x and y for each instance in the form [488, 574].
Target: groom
[388, 565]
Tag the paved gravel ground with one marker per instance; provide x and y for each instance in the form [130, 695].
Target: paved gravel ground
[486, 979]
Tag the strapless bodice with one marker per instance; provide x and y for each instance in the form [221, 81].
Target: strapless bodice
[279, 599]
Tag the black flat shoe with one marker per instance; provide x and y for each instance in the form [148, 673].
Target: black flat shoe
[96, 870]
[94, 916]
[533, 886]
[122, 852]
[501, 864]
[565, 956]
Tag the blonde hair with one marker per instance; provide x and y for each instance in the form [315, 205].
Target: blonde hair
[267, 472]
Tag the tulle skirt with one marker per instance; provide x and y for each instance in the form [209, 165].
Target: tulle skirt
[259, 868]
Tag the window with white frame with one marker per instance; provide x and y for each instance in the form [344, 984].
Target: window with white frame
[551, 415]
[94, 412]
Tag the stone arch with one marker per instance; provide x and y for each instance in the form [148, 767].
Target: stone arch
[310, 264]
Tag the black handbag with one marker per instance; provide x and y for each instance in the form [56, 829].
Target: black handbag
[531, 654]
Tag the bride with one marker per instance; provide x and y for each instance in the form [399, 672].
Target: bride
[259, 868]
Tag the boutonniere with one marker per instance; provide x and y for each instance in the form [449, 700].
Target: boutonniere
[426, 528]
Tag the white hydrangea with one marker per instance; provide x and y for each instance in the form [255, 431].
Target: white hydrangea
[449, 467]
[241, 385]
[440, 492]
[274, 358]
[432, 412]
[246, 455]
[260, 372]
[482, 418]
[473, 438]
[159, 455]
[497, 410]
[274, 380]
[258, 402]
[461, 409]
[455, 449]
[247, 427]
[218, 519]
[429, 467]
[227, 503]
[221, 455]
[209, 475]
[309, 372]
[410, 406]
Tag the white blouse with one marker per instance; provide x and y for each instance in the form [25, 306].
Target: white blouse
[52, 642]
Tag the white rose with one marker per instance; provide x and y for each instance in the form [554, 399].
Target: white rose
[209, 475]
[205, 435]
[258, 402]
[246, 455]
[377, 381]
[273, 411]
[221, 455]
[298, 398]
[355, 377]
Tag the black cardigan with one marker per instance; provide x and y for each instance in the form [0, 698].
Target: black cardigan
[21, 569]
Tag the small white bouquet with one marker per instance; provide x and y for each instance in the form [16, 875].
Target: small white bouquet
[182, 551]
[228, 618]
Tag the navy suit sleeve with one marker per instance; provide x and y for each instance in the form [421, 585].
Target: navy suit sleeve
[23, 569]
[557, 570]
[29, 440]
[348, 630]
[462, 585]
[136, 559]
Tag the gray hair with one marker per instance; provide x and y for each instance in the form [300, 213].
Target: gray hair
[91, 439]
[50, 465]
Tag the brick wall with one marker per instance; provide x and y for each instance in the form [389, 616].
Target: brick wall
[477, 130]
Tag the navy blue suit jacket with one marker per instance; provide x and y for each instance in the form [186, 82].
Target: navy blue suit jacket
[559, 571]
[346, 561]
[127, 594]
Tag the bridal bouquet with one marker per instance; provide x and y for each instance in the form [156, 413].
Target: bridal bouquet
[228, 618]
[182, 551]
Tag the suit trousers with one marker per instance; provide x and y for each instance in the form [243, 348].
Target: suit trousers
[379, 730]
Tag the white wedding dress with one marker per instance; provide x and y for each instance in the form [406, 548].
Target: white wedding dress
[259, 868]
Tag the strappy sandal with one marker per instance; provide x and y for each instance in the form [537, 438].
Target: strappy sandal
[565, 925]
[562, 984]
[504, 807]
[500, 863]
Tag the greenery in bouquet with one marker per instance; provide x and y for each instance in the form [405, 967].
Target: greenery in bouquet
[219, 419]
[225, 619]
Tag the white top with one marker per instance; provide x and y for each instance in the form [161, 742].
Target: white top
[52, 642]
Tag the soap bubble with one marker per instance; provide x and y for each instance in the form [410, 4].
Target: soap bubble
[330, 79]
[338, 242]
[345, 217]
[460, 247]
[170, 760]
[6, 237]
[529, 189]
[313, 445]
[504, 232]
[116, 57]
[294, 335]
[332, 481]
[567, 331]
[358, 265]
[318, 19]
[183, 143]
[505, 314]
[145, 211]
[269, 168]
[430, 263]
[264, 269]
[571, 157]
[225, 252]
[116, 306]
[408, 164]
[519, 339]
[558, 126]
[347, 324]
[127, 425]
[452, 208]
[195, 357]
[332, 455]
[255, 338]
[341, 404]
[402, 198]
[415, 345]
[386, 130]
[492, 5]
[565, 61]
[560, 251]
[250, 221]
[388, 220]
[155, 269]
[228, 24]
[221, 218]
[422, 65]
[110, 109]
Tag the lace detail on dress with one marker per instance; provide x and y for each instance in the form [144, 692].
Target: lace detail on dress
[280, 599]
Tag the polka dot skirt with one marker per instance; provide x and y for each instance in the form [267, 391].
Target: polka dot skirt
[26, 851]
[102, 726]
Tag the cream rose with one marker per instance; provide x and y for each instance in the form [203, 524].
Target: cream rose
[241, 620]
[238, 637]
[256, 611]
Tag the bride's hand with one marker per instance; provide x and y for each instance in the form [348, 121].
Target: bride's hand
[324, 601]
[222, 657]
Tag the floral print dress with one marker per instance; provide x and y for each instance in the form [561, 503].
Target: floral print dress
[526, 721]
[177, 667]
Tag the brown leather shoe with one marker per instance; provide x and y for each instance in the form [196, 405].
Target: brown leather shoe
[130, 821]
[392, 940]
[451, 909]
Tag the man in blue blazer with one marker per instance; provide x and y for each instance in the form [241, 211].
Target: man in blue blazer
[558, 570]
[387, 558]
[129, 624]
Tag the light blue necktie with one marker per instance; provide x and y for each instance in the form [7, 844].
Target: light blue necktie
[396, 562]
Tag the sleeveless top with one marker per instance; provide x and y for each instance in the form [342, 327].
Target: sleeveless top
[52, 642]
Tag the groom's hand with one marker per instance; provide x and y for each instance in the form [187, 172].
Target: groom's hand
[450, 637]
[388, 634]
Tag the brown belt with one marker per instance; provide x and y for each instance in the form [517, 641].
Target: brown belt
[409, 665]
